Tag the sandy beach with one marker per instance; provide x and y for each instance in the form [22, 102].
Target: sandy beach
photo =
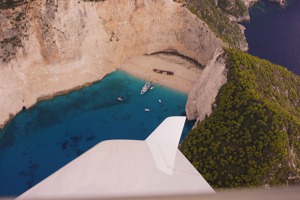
[184, 77]
[29, 89]
[61, 54]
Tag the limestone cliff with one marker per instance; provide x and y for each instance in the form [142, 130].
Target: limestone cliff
[49, 47]
[237, 10]
[252, 138]
[202, 95]
[212, 13]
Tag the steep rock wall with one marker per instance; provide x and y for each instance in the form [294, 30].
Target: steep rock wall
[55, 46]
[202, 96]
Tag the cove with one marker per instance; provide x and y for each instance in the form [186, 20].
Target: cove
[273, 33]
[44, 138]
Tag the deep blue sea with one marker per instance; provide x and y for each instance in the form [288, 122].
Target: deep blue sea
[273, 33]
[52, 133]
[44, 138]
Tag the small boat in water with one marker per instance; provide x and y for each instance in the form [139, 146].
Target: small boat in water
[120, 99]
[147, 109]
[145, 88]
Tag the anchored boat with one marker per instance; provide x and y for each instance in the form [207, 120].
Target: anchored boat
[145, 88]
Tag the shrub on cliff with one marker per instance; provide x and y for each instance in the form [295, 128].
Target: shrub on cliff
[11, 4]
[233, 7]
[252, 137]
[218, 22]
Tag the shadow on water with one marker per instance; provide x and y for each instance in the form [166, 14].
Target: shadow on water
[42, 139]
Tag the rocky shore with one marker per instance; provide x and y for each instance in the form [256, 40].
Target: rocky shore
[249, 3]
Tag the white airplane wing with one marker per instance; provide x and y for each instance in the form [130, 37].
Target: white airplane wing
[163, 143]
[127, 168]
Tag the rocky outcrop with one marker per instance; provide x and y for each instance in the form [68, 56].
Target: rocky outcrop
[218, 21]
[281, 2]
[249, 3]
[49, 47]
[237, 12]
[202, 96]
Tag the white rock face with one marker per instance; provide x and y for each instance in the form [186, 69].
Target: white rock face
[68, 44]
[203, 94]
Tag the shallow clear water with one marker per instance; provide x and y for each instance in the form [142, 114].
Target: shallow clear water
[274, 33]
[44, 138]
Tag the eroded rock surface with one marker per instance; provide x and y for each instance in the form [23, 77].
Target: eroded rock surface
[57, 46]
[202, 96]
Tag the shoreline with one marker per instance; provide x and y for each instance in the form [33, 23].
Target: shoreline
[57, 81]
[185, 74]
[69, 54]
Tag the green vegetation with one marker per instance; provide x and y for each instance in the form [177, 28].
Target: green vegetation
[252, 137]
[12, 36]
[233, 7]
[11, 4]
[218, 21]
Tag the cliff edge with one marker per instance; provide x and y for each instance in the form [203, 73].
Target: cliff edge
[51, 47]
[202, 95]
[252, 137]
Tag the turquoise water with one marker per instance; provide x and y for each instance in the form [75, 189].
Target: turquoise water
[44, 138]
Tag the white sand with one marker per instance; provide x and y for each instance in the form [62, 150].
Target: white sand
[86, 41]
[58, 80]
[185, 72]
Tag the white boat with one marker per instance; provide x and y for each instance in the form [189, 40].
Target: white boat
[120, 99]
[147, 109]
[145, 88]
[152, 87]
